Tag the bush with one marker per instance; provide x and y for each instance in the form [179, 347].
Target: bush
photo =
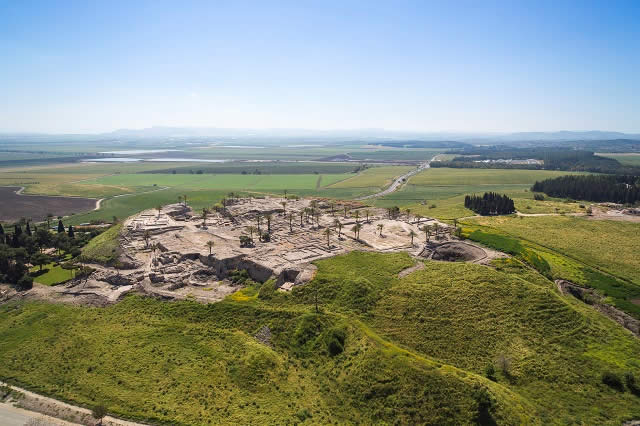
[538, 197]
[25, 283]
[612, 380]
[490, 372]
[335, 341]
[631, 383]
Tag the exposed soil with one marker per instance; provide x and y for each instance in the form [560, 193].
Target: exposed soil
[15, 205]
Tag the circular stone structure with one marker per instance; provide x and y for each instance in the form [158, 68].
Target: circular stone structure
[457, 251]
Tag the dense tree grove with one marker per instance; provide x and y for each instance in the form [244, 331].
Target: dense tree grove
[552, 159]
[26, 246]
[599, 188]
[489, 204]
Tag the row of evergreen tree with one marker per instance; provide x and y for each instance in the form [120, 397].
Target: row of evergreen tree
[598, 188]
[490, 203]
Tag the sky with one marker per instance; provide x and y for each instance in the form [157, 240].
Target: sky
[465, 66]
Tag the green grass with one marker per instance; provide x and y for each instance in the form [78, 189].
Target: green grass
[104, 248]
[408, 351]
[631, 159]
[375, 178]
[473, 177]
[50, 274]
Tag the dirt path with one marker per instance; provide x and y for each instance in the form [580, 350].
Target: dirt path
[398, 181]
[32, 405]
[418, 266]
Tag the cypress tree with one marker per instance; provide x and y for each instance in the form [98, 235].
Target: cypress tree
[71, 231]
[60, 227]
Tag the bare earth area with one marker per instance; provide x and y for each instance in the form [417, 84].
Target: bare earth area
[175, 254]
[15, 205]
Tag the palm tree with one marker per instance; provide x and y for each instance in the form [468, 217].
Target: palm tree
[367, 213]
[284, 205]
[345, 212]
[259, 218]
[159, 208]
[316, 213]
[327, 232]
[412, 234]
[210, 244]
[356, 230]
[268, 217]
[205, 212]
[290, 221]
[251, 230]
[418, 218]
[408, 213]
[285, 194]
[338, 225]
[146, 236]
[357, 215]
[426, 229]
[302, 212]
[331, 205]
[380, 226]
[435, 230]
[179, 199]
[184, 198]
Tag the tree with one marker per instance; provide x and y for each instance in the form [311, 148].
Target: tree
[159, 208]
[251, 230]
[345, 212]
[338, 225]
[331, 205]
[259, 219]
[99, 412]
[147, 237]
[268, 217]
[366, 212]
[49, 217]
[418, 218]
[327, 232]
[356, 230]
[290, 222]
[284, 205]
[28, 230]
[71, 232]
[380, 226]
[60, 226]
[412, 234]
[40, 259]
[205, 212]
[427, 231]
[179, 199]
[357, 215]
[301, 217]
[210, 244]
[184, 198]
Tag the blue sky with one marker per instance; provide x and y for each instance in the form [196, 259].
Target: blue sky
[476, 66]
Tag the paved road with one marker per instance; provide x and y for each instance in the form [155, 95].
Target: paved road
[399, 181]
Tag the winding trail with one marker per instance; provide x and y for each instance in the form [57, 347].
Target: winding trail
[399, 181]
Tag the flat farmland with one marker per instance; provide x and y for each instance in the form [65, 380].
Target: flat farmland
[224, 182]
[15, 206]
[452, 176]
[374, 178]
[628, 159]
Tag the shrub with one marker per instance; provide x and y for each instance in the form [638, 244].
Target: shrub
[538, 197]
[631, 383]
[490, 372]
[25, 283]
[484, 406]
[612, 380]
[335, 341]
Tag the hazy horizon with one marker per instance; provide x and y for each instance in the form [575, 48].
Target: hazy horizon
[499, 67]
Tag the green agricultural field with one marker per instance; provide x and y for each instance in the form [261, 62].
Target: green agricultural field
[446, 187]
[474, 177]
[630, 159]
[375, 178]
[381, 350]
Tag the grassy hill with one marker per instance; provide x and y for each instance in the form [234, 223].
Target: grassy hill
[381, 349]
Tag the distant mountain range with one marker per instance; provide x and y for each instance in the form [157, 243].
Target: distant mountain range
[340, 135]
